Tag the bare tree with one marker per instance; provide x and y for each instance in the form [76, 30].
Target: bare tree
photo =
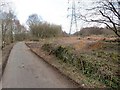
[34, 19]
[7, 17]
[105, 12]
[7, 24]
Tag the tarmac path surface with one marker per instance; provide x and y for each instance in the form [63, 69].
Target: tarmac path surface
[26, 70]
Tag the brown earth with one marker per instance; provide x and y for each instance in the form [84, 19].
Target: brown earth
[79, 44]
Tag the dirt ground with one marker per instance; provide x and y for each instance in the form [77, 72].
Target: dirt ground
[84, 45]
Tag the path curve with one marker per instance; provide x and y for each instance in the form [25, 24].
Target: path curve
[26, 70]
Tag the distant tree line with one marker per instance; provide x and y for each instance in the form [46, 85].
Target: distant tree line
[40, 29]
[45, 30]
[94, 31]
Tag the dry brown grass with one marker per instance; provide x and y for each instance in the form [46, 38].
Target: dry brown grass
[93, 44]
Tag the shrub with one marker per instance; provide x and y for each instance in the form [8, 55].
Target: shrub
[45, 30]
[96, 70]
[47, 47]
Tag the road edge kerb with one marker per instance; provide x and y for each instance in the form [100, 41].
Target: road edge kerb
[6, 60]
[55, 68]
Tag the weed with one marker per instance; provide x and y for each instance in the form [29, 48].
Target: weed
[88, 66]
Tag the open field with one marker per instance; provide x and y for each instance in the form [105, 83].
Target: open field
[91, 61]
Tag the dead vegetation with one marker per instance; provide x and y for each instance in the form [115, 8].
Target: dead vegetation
[88, 60]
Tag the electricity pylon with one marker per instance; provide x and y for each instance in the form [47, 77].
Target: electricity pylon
[72, 15]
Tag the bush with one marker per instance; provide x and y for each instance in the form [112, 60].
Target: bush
[21, 36]
[96, 70]
[45, 30]
[47, 47]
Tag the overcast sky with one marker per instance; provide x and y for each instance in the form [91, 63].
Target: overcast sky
[52, 11]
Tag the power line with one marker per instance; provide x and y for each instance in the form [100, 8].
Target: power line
[72, 15]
